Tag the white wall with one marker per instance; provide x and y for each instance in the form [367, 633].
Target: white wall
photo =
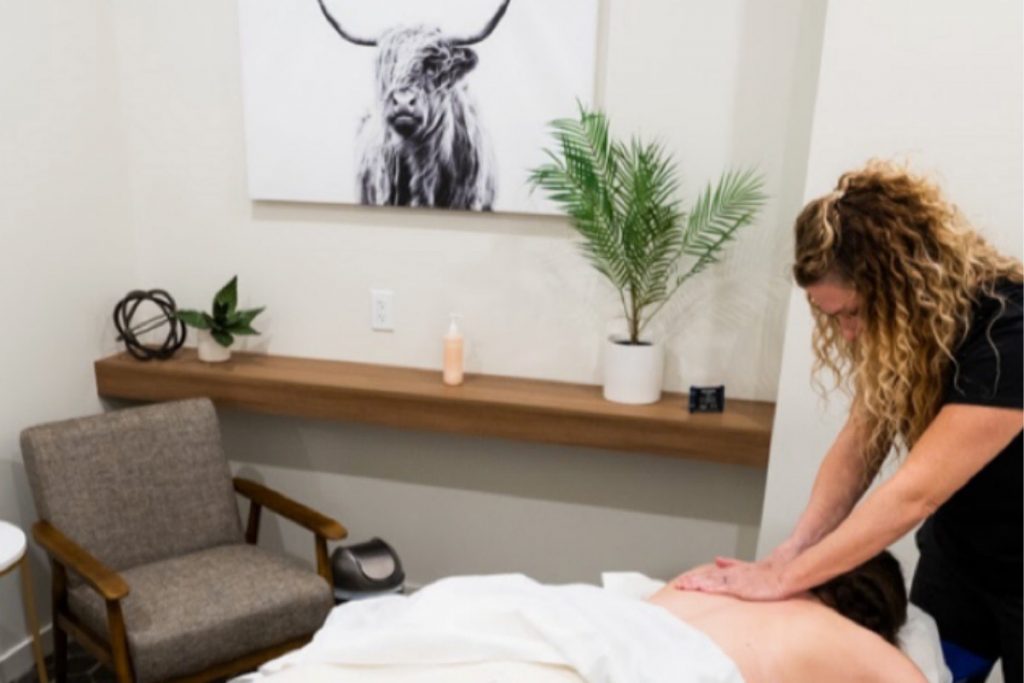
[718, 82]
[940, 87]
[66, 247]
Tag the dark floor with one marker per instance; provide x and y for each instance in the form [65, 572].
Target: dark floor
[82, 668]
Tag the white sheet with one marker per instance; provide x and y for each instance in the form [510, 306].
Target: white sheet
[919, 640]
[485, 672]
[603, 636]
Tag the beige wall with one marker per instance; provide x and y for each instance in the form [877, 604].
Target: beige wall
[66, 246]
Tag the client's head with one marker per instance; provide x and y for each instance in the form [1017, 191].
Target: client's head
[873, 595]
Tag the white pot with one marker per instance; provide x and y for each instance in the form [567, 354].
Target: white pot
[633, 373]
[210, 351]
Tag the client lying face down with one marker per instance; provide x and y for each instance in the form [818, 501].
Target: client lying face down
[512, 628]
[844, 630]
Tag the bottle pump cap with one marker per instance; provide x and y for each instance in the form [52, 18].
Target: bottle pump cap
[453, 327]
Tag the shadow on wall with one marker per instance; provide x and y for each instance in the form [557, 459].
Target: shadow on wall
[625, 481]
[331, 216]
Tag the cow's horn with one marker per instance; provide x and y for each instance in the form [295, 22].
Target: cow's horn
[491, 25]
[342, 32]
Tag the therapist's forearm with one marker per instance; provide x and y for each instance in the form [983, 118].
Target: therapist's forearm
[959, 443]
[836, 490]
[884, 517]
[842, 479]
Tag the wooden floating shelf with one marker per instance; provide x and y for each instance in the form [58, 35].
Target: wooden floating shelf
[512, 408]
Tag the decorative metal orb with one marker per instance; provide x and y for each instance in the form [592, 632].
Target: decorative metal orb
[129, 331]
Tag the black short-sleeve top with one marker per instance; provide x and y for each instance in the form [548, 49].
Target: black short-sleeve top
[980, 528]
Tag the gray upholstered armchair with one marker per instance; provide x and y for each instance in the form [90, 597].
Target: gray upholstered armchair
[151, 569]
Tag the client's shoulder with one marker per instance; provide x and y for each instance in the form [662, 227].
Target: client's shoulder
[822, 644]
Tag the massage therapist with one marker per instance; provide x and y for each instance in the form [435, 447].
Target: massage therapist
[922, 320]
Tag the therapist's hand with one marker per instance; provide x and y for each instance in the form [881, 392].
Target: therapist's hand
[748, 580]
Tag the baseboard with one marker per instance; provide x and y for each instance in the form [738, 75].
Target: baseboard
[19, 660]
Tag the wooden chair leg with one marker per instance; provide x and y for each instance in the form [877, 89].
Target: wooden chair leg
[29, 599]
[323, 560]
[252, 529]
[60, 653]
[119, 643]
[59, 598]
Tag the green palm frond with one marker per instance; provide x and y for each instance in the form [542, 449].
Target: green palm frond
[621, 199]
[718, 214]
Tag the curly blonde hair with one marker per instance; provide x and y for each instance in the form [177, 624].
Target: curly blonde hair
[919, 269]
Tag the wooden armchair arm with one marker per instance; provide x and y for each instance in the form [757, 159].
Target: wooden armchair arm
[319, 524]
[77, 559]
[323, 527]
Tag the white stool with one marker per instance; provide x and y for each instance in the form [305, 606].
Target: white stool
[12, 556]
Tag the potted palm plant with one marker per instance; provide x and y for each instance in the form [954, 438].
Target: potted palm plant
[217, 330]
[621, 197]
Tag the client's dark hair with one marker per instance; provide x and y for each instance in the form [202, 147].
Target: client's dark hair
[873, 595]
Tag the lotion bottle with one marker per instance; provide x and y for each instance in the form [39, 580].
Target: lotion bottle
[452, 374]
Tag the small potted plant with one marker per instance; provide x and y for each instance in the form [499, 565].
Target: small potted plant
[217, 330]
[621, 198]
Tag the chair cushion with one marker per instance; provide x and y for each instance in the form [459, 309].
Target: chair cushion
[187, 613]
[135, 486]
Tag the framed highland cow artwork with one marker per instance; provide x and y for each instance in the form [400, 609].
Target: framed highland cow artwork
[439, 103]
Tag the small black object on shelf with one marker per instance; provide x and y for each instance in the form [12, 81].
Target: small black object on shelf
[707, 399]
[129, 331]
[366, 570]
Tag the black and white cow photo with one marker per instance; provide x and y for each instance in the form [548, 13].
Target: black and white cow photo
[417, 103]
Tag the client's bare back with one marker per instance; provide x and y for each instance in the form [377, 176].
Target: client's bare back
[790, 641]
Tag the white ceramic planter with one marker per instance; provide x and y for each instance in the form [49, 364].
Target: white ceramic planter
[210, 351]
[633, 373]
